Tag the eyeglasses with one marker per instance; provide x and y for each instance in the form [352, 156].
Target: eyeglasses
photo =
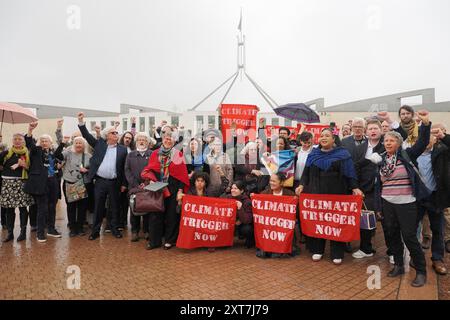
[114, 132]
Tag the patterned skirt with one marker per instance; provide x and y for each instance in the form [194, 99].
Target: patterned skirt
[13, 196]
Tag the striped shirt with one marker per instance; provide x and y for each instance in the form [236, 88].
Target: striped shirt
[397, 188]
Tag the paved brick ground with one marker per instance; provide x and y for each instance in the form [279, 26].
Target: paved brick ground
[118, 269]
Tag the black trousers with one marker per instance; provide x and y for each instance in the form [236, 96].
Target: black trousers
[46, 206]
[106, 188]
[246, 231]
[165, 224]
[136, 223]
[365, 244]
[401, 222]
[123, 212]
[156, 228]
[76, 212]
[11, 218]
[3, 216]
[32, 212]
[317, 246]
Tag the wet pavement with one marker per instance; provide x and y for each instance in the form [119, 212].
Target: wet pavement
[119, 269]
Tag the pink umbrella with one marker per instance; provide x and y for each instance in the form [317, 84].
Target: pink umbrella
[14, 113]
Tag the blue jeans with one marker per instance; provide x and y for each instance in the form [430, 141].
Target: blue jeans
[436, 217]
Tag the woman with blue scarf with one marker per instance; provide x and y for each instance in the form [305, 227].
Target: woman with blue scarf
[328, 170]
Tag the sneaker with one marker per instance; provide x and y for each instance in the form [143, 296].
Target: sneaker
[53, 233]
[317, 257]
[391, 260]
[108, 230]
[41, 238]
[337, 261]
[361, 254]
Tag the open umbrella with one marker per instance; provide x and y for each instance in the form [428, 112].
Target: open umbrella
[297, 112]
[14, 113]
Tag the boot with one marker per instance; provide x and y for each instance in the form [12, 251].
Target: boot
[398, 270]
[420, 280]
[134, 237]
[22, 235]
[9, 237]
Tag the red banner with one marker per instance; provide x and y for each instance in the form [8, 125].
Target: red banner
[273, 130]
[274, 222]
[315, 129]
[330, 216]
[206, 222]
[240, 117]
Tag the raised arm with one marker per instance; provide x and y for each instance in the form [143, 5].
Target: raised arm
[424, 136]
[84, 131]
[29, 136]
[58, 132]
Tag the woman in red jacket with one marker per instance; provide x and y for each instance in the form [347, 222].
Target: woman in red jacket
[166, 164]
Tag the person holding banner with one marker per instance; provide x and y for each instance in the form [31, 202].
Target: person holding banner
[398, 189]
[244, 215]
[166, 164]
[328, 170]
[249, 169]
[276, 188]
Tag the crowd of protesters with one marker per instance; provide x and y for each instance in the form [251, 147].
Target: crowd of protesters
[401, 168]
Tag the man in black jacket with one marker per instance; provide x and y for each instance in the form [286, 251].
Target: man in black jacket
[351, 142]
[434, 170]
[107, 170]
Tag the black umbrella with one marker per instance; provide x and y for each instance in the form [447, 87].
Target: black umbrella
[299, 112]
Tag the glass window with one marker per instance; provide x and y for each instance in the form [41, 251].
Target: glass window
[125, 124]
[112, 123]
[93, 123]
[103, 124]
[275, 121]
[211, 121]
[288, 122]
[175, 120]
[141, 124]
[151, 122]
[199, 123]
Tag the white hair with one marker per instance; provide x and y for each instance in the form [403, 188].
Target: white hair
[84, 143]
[248, 146]
[104, 132]
[360, 120]
[45, 136]
[142, 135]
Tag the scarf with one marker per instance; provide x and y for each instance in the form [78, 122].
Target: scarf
[22, 153]
[324, 160]
[169, 163]
[165, 159]
[388, 165]
[412, 129]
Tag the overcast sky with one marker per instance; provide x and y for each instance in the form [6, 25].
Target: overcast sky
[172, 53]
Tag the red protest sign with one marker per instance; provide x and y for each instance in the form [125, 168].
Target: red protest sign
[330, 216]
[274, 222]
[206, 222]
[273, 130]
[315, 129]
[240, 117]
